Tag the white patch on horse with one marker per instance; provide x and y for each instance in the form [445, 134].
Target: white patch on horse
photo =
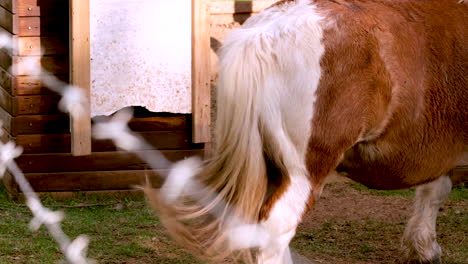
[419, 240]
[283, 220]
[287, 43]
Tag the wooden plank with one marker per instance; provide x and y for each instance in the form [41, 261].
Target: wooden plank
[5, 117]
[80, 73]
[28, 104]
[53, 64]
[6, 136]
[459, 175]
[33, 123]
[201, 64]
[6, 81]
[97, 161]
[35, 104]
[35, 46]
[40, 124]
[59, 124]
[10, 185]
[31, 85]
[6, 60]
[92, 180]
[51, 143]
[41, 26]
[157, 123]
[9, 5]
[6, 101]
[9, 36]
[9, 21]
[42, 8]
[231, 7]
[60, 143]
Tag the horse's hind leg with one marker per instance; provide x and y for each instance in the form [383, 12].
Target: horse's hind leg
[286, 205]
[419, 240]
[283, 219]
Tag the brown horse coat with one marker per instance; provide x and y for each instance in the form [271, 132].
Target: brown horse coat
[376, 89]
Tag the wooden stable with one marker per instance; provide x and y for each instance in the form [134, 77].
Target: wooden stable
[59, 154]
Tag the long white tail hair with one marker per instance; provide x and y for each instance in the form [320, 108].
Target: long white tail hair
[233, 185]
[236, 174]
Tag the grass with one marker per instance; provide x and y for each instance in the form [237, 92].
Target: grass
[126, 231]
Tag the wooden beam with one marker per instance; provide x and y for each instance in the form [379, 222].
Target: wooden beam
[98, 161]
[53, 64]
[201, 65]
[28, 104]
[39, 124]
[459, 175]
[34, 46]
[29, 85]
[93, 180]
[6, 61]
[5, 117]
[8, 20]
[10, 185]
[6, 80]
[42, 8]
[80, 73]
[60, 143]
[60, 124]
[9, 5]
[6, 136]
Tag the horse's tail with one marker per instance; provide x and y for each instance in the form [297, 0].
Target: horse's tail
[234, 182]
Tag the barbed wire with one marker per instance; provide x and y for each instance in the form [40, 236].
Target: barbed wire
[179, 181]
[72, 101]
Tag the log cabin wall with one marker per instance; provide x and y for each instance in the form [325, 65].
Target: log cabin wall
[31, 118]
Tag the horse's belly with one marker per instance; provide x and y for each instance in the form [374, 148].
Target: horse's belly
[375, 179]
[396, 168]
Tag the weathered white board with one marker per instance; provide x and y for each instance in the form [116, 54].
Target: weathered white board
[140, 55]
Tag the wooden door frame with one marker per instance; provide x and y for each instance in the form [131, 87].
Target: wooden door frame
[201, 74]
[80, 74]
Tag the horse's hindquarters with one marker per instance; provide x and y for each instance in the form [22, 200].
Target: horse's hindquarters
[391, 109]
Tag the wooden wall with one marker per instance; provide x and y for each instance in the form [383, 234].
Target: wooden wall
[31, 117]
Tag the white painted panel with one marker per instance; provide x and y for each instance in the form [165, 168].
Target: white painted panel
[140, 55]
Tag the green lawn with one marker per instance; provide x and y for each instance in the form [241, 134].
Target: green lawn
[121, 231]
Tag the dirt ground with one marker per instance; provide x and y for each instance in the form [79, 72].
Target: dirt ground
[340, 202]
[352, 226]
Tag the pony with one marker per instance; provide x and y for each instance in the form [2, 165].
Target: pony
[373, 89]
